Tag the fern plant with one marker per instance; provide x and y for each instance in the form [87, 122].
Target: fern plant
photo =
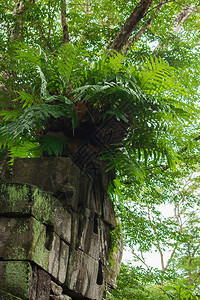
[142, 97]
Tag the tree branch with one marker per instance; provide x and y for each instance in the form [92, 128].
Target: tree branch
[139, 258]
[143, 29]
[185, 13]
[87, 7]
[131, 23]
[132, 40]
[171, 256]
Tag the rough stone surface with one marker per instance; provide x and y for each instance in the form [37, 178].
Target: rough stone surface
[61, 297]
[56, 289]
[43, 285]
[88, 236]
[82, 274]
[55, 232]
[20, 199]
[52, 175]
[27, 242]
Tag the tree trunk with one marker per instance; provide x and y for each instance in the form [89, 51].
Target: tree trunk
[131, 23]
[20, 8]
[65, 27]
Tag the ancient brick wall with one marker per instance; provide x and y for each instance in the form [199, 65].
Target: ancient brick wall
[55, 233]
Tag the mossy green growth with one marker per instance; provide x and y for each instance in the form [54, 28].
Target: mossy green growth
[38, 253]
[18, 252]
[44, 208]
[17, 278]
[22, 226]
[14, 193]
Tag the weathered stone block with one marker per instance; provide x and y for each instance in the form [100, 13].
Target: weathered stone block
[43, 286]
[94, 194]
[58, 259]
[108, 211]
[88, 236]
[115, 256]
[63, 262]
[15, 278]
[74, 229]
[23, 239]
[82, 274]
[26, 239]
[35, 227]
[23, 199]
[55, 175]
[115, 263]
[105, 242]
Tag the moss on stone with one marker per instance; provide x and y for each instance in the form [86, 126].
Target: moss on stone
[22, 226]
[43, 206]
[14, 194]
[18, 252]
[17, 278]
[38, 253]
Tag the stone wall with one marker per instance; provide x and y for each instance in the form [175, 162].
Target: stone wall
[55, 233]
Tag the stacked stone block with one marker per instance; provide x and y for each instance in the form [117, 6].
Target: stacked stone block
[55, 225]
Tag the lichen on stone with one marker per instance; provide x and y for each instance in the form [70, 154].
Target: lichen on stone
[17, 278]
[43, 205]
[14, 193]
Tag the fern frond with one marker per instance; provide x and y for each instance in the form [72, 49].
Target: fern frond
[50, 144]
[156, 76]
[26, 99]
[32, 118]
[125, 165]
[33, 55]
[10, 115]
[25, 149]
[69, 62]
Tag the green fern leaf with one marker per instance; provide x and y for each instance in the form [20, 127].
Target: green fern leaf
[32, 118]
[52, 145]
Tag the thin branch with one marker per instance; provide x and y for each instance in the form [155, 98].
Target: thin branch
[132, 40]
[157, 245]
[177, 217]
[87, 7]
[139, 258]
[171, 256]
[181, 18]
[185, 13]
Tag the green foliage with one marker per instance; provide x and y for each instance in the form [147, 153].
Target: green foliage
[52, 145]
[32, 118]
[140, 97]
[136, 283]
[163, 219]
